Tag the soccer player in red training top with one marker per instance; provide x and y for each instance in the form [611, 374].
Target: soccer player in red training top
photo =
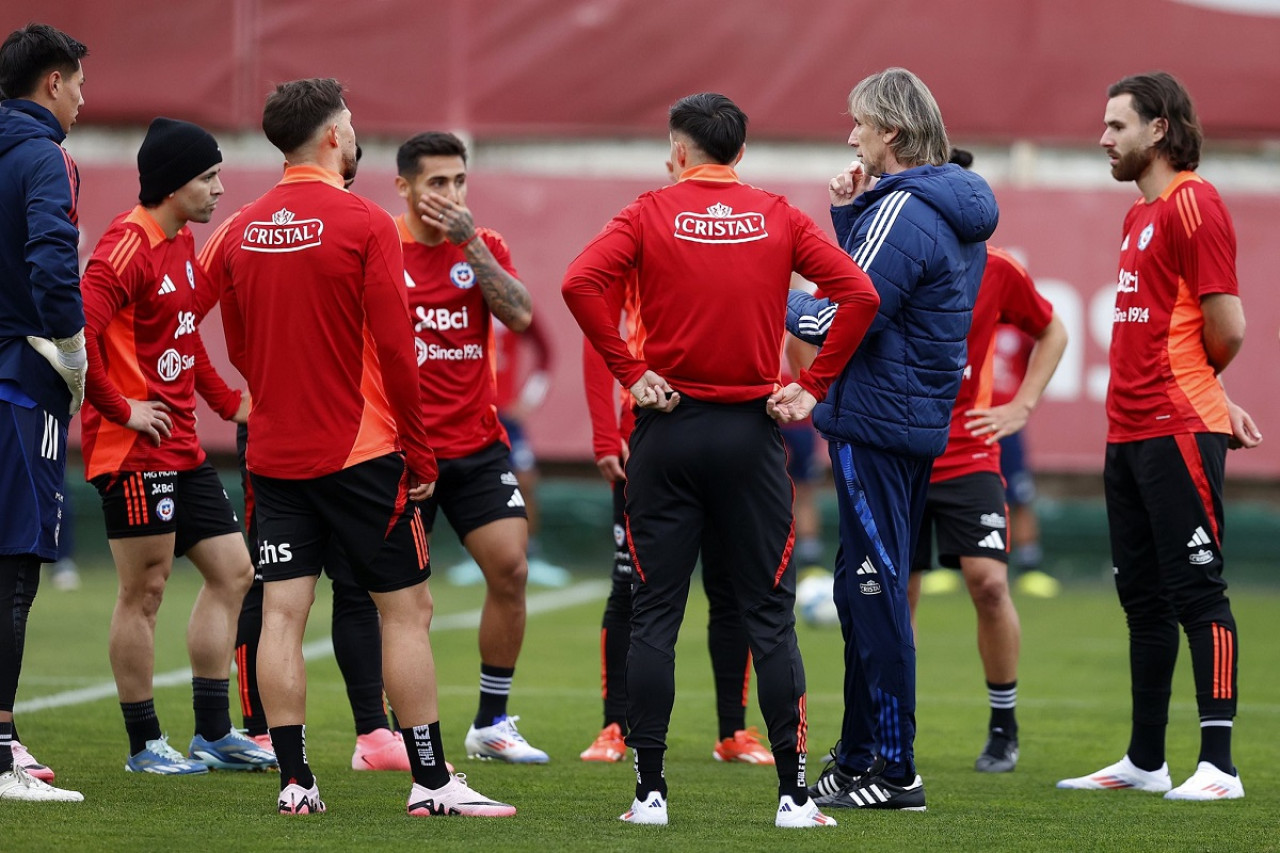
[160, 496]
[966, 507]
[314, 310]
[357, 636]
[42, 352]
[713, 259]
[459, 278]
[726, 638]
[1178, 323]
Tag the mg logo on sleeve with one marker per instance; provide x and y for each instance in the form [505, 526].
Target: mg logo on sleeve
[720, 225]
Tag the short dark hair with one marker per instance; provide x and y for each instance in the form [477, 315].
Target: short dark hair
[297, 109]
[1158, 94]
[712, 122]
[433, 143]
[32, 52]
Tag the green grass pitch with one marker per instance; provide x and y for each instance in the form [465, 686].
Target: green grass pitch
[1073, 713]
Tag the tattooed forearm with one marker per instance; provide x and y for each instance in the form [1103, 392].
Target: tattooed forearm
[507, 298]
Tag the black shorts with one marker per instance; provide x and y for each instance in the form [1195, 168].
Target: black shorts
[191, 504]
[969, 516]
[475, 490]
[1164, 511]
[365, 509]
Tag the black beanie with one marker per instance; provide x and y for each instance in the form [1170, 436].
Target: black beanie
[173, 153]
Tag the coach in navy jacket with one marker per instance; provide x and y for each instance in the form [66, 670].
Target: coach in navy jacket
[921, 236]
[917, 227]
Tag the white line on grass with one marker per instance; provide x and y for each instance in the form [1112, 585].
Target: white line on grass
[542, 602]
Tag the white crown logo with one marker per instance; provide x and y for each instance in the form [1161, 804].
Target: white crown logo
[283, 216]
[719, 211]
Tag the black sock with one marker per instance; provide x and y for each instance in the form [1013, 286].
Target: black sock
[141, 723]
[1004, 701]
[649, 774]
[6, 751]
[209, 700]
[369, 713]
[1146, 746]
[615, 639]
[495, 686]
[1215, 744]
[426, 755]
[357, 647]
[248, 630]
[290, 744]
[790, 765]
[728, 644]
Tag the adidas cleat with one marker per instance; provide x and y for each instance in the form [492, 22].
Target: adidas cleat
[1208, 783]
[163, 760]
[456, 799]
[652, 810]
[24, 759]
[608, 745]
[872, 791]
[791, 816]
[744, 747]
[295, 799]
[1000, 755]
[503, 742]
[18, 784]
[832, 781]
[263, 740]
[1124, 774]
[232, 751]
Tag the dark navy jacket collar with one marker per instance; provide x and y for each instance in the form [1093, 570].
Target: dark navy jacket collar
[37, 112]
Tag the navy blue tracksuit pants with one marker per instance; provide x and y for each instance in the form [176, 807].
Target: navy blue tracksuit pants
[881, 499]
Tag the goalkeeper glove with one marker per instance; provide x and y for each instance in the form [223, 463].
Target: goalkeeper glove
[68, 357]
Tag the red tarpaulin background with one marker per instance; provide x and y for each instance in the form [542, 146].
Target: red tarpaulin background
[1001, 69]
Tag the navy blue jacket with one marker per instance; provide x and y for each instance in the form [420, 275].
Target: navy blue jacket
[39, 263]
[920, 235]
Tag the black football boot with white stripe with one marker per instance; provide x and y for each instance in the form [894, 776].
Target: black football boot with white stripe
[873, 791]
[832, 779]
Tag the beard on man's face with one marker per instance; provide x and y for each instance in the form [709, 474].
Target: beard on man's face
[1132, 164]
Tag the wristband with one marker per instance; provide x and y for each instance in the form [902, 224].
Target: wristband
[474, 234]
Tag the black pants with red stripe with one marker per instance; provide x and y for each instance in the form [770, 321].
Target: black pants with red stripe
[1164, 506]
[712, 478]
